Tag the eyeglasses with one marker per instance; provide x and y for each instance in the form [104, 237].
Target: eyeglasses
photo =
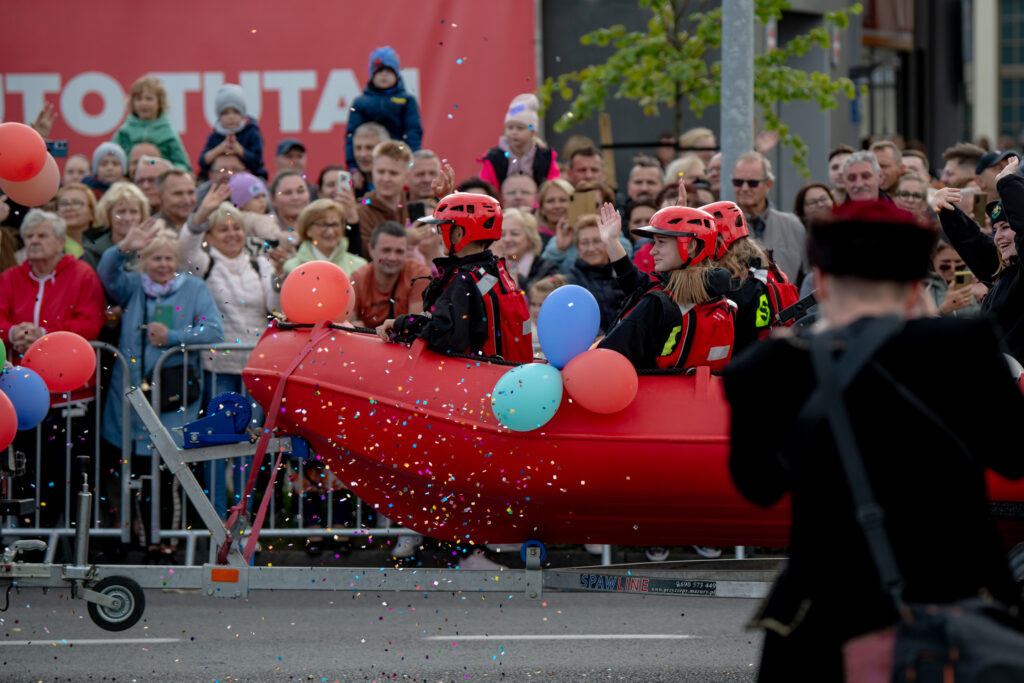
[903, 194]
[327, 226]
[820, 201]
[751, 182]
[70, 204]
[951, 266]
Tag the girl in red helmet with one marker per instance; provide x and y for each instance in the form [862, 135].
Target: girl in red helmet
[473, 306]
[681, 318]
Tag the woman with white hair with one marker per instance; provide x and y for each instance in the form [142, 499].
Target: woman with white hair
[162, 309]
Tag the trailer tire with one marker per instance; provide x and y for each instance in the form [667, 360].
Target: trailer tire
[127, 614]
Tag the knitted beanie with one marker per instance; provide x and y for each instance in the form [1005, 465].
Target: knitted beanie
[230, 95]
[523, 109]
[111, 149]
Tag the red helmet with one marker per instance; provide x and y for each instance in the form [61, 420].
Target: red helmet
[730, 223]
[478, 215]
[684, 224]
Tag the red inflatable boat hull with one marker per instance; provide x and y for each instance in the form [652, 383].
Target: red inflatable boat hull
[412, 433]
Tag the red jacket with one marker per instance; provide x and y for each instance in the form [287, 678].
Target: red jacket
[69, 299]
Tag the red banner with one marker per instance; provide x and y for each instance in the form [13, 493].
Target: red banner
[301, 64]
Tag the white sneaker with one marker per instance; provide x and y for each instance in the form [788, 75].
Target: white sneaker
[656, 554]
[593, 548]
[476, 560]
[707, 551]
[406, 546]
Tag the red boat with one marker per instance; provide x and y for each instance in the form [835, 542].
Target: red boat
[412, 433]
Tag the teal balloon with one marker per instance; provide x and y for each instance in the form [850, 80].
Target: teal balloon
[28, 394]
[3, 356]
[527, 397]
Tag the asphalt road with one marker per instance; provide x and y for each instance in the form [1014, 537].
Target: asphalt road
[341, 636]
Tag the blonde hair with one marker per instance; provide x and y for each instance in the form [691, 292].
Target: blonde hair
[529, 223]
[742, 254]
[90, 198]
[152, 83]
[586, 220]
[690, 285]
[317, 210]
[166, 238]
[227, 211]
[687, 167]
[120, 192]
[690, 137]
[393, 149]
[546, 187]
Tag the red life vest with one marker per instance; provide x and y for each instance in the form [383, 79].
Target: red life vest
[782, 292]
[704, 335]
[508, 315]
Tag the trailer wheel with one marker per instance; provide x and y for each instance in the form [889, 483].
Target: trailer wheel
[128, 611]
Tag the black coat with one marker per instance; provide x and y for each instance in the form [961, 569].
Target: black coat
[540, 268]
[1005, 300]
[602, 283]
[933, 495]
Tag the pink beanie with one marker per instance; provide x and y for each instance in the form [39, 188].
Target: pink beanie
[524, 110]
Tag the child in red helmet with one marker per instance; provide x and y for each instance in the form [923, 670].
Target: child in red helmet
[473, 306]
[681, 318]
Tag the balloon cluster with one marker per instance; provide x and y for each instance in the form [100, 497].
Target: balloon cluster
[57, 362]
[315, 291]
[600, 380]
[28, 173]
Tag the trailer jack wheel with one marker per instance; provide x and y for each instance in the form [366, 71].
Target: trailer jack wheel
[131, 602]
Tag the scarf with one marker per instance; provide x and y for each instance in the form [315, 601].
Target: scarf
[155, 290]
[226, 132]
[523, 164]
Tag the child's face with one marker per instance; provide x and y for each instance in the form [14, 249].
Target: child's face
[665, 253]
[384, 79]
[519, 135]
[389, 176]
[146, 105]
[231, 118]
[256, 204]
[362, 147]
[536, 299]
[109, 170]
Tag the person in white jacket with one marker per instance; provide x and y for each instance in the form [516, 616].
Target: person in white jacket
[246, 289]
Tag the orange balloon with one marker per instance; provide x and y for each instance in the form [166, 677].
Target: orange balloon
[64, 360]
[314, 291]
[35, 191]
[8, 421]
[601, 380]
[22, 152]
[347, 313]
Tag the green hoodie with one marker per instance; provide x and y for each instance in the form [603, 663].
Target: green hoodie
[341, 257]
[158, 132]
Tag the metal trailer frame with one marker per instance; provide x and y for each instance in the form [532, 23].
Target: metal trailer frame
[116, 601]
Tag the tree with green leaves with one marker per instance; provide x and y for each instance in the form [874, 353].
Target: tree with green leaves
[668, 65]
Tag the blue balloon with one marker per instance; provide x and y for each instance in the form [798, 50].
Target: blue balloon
[567, 324]
[527, 396]
[28, 394]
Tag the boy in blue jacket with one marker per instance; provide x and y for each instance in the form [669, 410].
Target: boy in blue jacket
[234, 133]
[385, 101]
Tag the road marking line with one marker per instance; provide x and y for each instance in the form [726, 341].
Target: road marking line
[595, 636]
[94, 641]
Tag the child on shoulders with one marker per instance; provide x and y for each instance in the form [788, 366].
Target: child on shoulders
[520, 149]
[385, 101]
[234, 133]
[147, 122]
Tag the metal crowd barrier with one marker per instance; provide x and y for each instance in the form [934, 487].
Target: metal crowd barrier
[129, 485]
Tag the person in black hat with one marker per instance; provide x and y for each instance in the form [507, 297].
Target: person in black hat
[868, 265]
[989, 167]
[993, 259]
[291, 156]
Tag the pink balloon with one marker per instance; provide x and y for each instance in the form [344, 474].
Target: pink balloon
[22, 152]
[64, 360]
[35, 191]
[601, 380]
[8, 421]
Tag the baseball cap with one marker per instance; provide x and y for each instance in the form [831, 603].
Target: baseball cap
[993, 158]
[289, 143]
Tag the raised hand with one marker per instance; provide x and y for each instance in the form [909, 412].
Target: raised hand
[139, 236]
[681, 201]
[444, 184]
[44, 121]
[609, 223]
[217, 195]
[945, 198]
[1011, 166]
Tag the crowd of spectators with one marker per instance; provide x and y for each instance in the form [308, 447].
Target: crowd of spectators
[138, 251]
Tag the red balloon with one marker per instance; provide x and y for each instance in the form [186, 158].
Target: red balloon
[35, 191]
[22, 152]
[64, 360]
[8, 421]
[314, 291]
[601, 380]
